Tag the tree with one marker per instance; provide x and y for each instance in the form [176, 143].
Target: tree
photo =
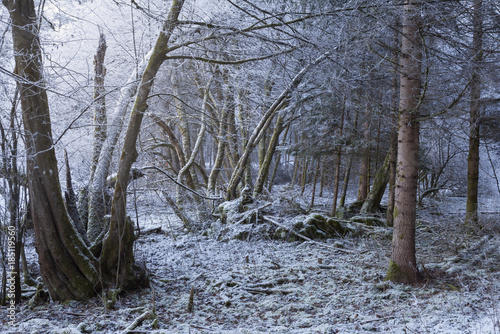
[403, 265]
[69, 269]
[475, 113]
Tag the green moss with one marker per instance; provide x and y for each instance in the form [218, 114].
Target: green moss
[394, 272]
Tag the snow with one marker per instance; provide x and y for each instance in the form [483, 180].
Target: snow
[270, 286]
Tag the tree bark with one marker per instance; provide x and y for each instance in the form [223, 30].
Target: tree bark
[68, 268]
[403, 265]
[475, 113]
[117, 258]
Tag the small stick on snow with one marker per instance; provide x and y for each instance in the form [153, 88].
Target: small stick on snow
[137, 322]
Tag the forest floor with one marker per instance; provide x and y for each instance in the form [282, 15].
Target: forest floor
[275, 286]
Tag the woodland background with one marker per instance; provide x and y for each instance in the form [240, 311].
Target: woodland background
[181, 125]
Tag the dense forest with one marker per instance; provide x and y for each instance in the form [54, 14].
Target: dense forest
[250, 166]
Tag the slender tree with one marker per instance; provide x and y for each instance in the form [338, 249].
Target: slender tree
[475, 112]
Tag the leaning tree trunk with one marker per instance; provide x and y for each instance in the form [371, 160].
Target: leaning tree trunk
[268, 157]
[98, 187]
[263, 125]
[372, 201]
[68, 268]
[117, 258]
[403, 264]
[475, 106]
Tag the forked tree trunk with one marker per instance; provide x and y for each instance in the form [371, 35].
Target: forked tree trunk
[68, 268]
[475, 112]
[403, 264]
[117, 258]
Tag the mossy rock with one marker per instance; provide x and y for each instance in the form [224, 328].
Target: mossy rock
[369, 221]
[317, 226]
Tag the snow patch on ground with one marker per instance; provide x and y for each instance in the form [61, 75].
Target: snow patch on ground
[270, 286]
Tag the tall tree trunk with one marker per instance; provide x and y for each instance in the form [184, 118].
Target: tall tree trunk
[364, 172]
[100, 129]
[117, 258]
[347, 173]
[68, 268]
[269, 153]
[403, 264]
[338, 159]
[475, 112]
[394, 133]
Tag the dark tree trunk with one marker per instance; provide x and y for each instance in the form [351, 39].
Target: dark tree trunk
[68, 268]
[475, 112]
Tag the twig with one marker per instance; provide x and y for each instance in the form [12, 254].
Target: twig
[269, 219]
[137, 322]
[182, 185]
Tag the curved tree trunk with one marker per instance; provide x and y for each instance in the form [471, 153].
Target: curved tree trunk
[117, 258]
[68, 268]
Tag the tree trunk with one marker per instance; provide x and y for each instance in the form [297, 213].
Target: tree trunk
[68, 268]
[266, 163]
[338, 159]
[392, 176]
[117, 258]
[98, 187]
[403, 264]
[372, 201]
[475, 112]
[364, 172]
[394, 133]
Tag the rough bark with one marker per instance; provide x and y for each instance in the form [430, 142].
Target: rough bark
[68, 268]
[475, 112]
[117, 258]
[403, 265]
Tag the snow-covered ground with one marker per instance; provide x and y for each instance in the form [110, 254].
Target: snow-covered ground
[270, 286]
